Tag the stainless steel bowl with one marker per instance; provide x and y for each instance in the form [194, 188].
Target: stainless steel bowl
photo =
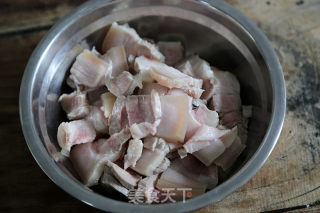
[215, 30]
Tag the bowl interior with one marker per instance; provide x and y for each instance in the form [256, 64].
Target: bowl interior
[206, 31]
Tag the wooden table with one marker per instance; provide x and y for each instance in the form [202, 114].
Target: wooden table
[289, 181]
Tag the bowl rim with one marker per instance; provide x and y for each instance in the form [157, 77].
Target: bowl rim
[48, 165]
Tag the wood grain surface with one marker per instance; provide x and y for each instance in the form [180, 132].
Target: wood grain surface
[289, 180]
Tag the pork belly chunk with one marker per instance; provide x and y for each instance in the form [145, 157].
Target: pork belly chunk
[133, 44]
[148, 162]
[109, 182]
[192, 168]
[89, 70]
[108, 100]
[98, 120]
[118, 119]
[227, 159]
[118, 57]
[206, 116]
[89, 159]
[168, 76]
[128, 180]
[196, 67]
[75, 105]
[134, 152]
[173, 125]
[123, 84]
[146, 188]
[149, 86]
[73, 133]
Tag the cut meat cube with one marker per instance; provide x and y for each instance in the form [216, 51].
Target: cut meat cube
[89, 159]
[146, 187]
[196, 67]
[210, 153]
[195, 170]
[123, 84]
[74, 132]
[108, 100]
[153, 143]
[139, 109]
[118, 57]
[172, 51]
[204, 137]
[180, 184]
[163, 166]
[134, 152]
[173, 125]
[175, 92]
[119, 118]
[169, 77]
[149, 86]
[225, 83]
[75, 105]
[225, 102]
[108, 181]
[149, 161]
[133, 44]
[142, 130]
[226, 160]
[125, 178]
[229, 137]
[97, 119]
[89, 70]
[205, 116]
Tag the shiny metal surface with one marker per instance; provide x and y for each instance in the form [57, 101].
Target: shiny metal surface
[215, 30]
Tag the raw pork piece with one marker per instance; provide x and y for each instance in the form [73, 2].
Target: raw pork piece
[173, 125]
[89, 159]
[89, 70]
[125, 178]
[133, 44]
[139, 109]
[109, 182]
[168, 76]
[148, 162]
[74, 132]
[134, 152]
[119, 60]
[142, 130]
[172, 51]
[226, 102]
[179, 184]
[196, 67]
[149, 86]
[146, 188]
[226, 160]
[206, 116]
[98, 120]
[119, 118]
[163, 166]
[153, 143]
[204, 137]
[75, 105]
[123, 84]
[197, 171]
[108, 100]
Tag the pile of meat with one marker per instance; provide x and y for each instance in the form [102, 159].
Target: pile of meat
[144, 118]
